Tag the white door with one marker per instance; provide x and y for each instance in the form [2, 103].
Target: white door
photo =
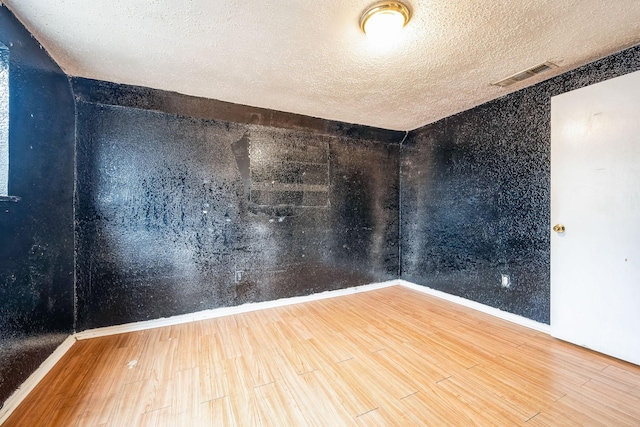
[595, 194]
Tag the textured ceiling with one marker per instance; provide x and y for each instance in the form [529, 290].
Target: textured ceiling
[310, 57]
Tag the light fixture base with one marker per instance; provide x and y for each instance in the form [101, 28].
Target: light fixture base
[385, 7]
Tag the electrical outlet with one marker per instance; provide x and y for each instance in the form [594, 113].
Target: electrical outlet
[506, 281]
[239, 275]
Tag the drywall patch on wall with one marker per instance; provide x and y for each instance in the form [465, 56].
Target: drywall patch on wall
[475, 196]
[289, 172]
[166, 223]
[36, 233]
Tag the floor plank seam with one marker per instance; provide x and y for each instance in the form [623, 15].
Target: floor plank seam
[560, 397]
[532, 417]
[585, 383]
[409, 395]
[262, 385]
[366, 412]
[444, 379]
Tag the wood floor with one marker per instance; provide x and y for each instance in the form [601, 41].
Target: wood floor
[390, 357]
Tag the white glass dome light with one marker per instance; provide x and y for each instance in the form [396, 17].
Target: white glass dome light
[385, 19]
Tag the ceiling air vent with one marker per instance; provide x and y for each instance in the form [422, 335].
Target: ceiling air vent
[523, 75]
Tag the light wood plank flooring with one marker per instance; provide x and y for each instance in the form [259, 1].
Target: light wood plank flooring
[390, 357]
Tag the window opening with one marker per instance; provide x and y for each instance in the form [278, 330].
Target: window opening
[4, 122]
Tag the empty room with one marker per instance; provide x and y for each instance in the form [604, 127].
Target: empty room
[356, 213]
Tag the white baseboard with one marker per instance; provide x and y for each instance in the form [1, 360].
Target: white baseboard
[27, 387]
[510, 317]
[225, 311]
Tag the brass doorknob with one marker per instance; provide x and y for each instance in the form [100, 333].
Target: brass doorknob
[558, 228]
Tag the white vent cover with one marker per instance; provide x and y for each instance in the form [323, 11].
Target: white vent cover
[523, 75]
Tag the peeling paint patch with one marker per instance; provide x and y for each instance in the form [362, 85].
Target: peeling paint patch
[290, 172]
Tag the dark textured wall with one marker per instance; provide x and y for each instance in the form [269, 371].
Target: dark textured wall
[36, 232]
[178, 214]
[475, 193]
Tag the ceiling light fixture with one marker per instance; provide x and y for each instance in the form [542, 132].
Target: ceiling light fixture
[384, 19]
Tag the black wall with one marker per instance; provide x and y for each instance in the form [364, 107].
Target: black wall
[36, 232]
[475, 192]
[177, 214]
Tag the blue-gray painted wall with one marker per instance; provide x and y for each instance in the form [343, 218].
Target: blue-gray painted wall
[36, 232]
